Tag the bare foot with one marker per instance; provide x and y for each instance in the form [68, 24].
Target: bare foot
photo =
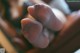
[51, 18]
[35, 33]
[46, 18]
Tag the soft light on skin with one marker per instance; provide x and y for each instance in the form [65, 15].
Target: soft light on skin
[32, 31]
[50, 17]
[61, 18]
[45, 17]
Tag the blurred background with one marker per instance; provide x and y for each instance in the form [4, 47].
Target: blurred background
[11, 13]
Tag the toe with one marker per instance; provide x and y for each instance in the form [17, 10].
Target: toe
[31, 28]
[31, 10]
[39, 12]
[33, 31]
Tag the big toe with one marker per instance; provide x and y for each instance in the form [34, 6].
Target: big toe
[33, 32]
[31, 28]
